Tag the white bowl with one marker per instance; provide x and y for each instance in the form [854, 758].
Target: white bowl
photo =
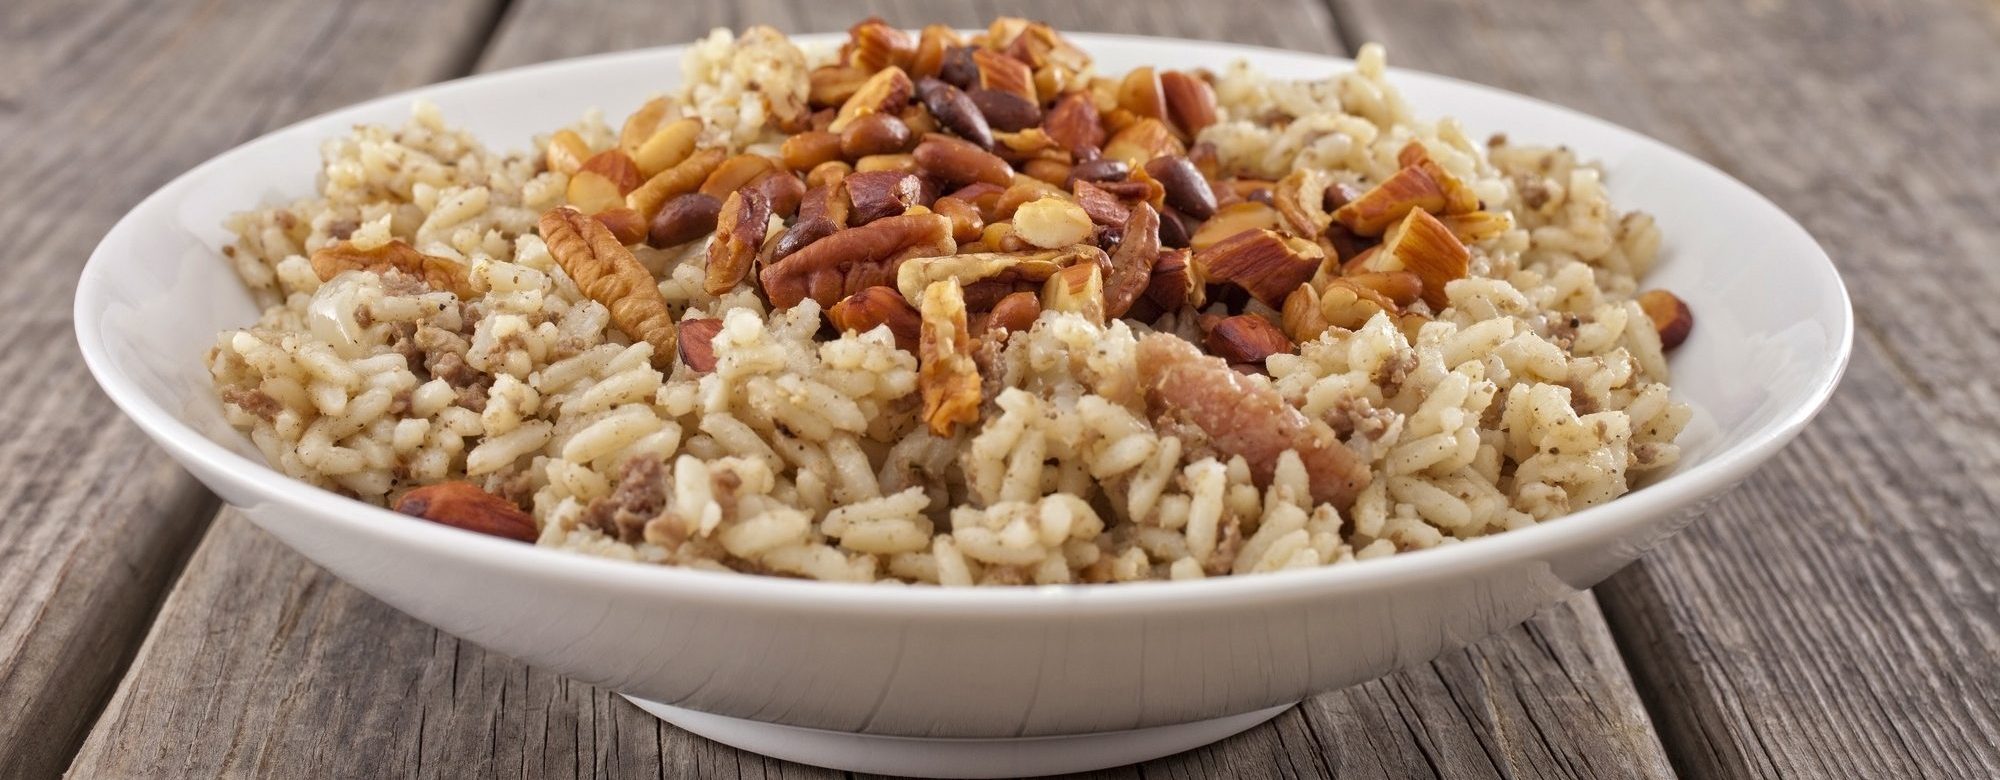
[987, 681]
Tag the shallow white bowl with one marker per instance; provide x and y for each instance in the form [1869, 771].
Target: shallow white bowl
[989, 681]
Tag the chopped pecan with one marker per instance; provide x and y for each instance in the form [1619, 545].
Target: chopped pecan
[876, 306]
[877, 194]
[1132, 262]
[1246, 338]
[441, 273]
[1345, 304]
[1263, 262]
[1301, 314]
[1400, 287]
[947, 375]
[697, 343]
[1243, 416]
[850, 260]
[1075, 124]
[739, 233]
[466, 506]
[624, 223]
[617, 167]
[783, 189]
[1000, 268]
[607, 272]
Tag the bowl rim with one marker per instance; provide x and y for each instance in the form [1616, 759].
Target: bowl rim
[1600, 523]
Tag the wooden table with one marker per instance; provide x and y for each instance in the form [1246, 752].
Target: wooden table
[1838, 616]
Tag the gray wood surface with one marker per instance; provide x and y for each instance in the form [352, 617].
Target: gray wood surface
[100, 103]
[1839, 615]
[266, 665]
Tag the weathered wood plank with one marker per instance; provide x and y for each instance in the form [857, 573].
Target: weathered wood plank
[99, 104]
[1840, 614]
[263, 664]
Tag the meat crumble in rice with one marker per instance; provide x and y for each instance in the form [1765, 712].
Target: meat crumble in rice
[1350, 332]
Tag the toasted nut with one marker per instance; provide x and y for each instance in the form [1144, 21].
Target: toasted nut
[1190, 101]
[1001, 73]
[932, 43]
[1186, 190]
[1246, 338]
[1103, 207]
[1140, 93]
[1144, 140]
[616, 166]
[1075, 124]
[1002, 269]
[1040, 45]
[1005, 111]
[1369, 260]
[1383, 205]
[1231, 220]
[608, 273]
[1023, 190]
[739, 233]
[1458, 198]
[833, 85]
[1052, 222]
[1476, 226]
[1344, 304]
[946, 374]
[966, 224]
[1301, 314]
[982, 196]
[877, 306]
[1052, 80]
[807, 150]
[828, 174]
[1055, 172]
[1175, 283]
[1300, 199]
[1100, 170]
[799, 236]
[1016, 312]
[826, 203]
[667, 147]
[641, 125]
[697, 343]
[683, 178]
[1670, 315]
[878, 45]
[1400, 287]
[1343, 244]
[592, 192]
[955, 161]
[955, 112]
[735, 173]
[685, 218]
[847, 261]
[1424, 246]
[1078, 289]
[441, 273]
[1132, 263]
[878, 194]
[1263, 262]
[883, 93]
[465, 506]
[566, 152]
[898, 163]
[958, 69]
[874, 134]
[784, 189]
[624, 223]
[1173, 230]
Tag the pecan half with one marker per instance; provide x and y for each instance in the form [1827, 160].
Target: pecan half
[1263, 262]
[851, 260]
[877, 306]
[465, 506]
[946, 374]
[739, 233]
[441, 273]
[607, 272]
[1132, 262]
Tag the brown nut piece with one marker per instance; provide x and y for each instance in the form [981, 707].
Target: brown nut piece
[1263, 262]
[1344, 304]
[1001, 73]
[1174, 283]
[1140, 93]
[667, 147]
[932, 43]
[607, 272]
[878, 194]
[1103, 207]
[1301, 315]
[878, 45]
[739, 233]
[623, 223]
[565, 152]
[440, 273]
[616, 166]
[465, 506]
[1670, 315]
[641, 124]
[1231, 220]
[592, 192]
[1144, 140]
[697, 343]
[1300, 199]
[956, 112]
[834, 85]
[1246, 338]
[1004, 111]
[883, 93]
[1100, 170]
[683, 219]
[851, 260]
[1400, 287]
[957, 161]
[1078, 289]
[1186, 190]
[946, 374]
[735, 173]
[1016, 312]
[685, 177]
[828, 174]
[1190, 101]
[807, 150]
[1075, 124]
[783, 189]
[876, 306]
[1052, 222]
[966, 223]
[1132, 262]
[874, 134]
[1423, 246]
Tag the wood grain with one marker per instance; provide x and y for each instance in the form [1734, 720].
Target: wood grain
[1839, 615]
[262, 664]
[99, 104]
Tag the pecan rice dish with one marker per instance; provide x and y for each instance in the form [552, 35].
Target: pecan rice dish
[964, 310]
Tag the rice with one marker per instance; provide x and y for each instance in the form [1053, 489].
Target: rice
[1538, 390]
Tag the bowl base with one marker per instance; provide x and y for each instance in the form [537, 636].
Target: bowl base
[946, 757]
